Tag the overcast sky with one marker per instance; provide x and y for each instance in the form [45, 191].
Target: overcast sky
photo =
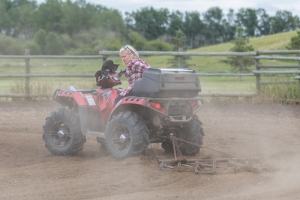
[271, 6]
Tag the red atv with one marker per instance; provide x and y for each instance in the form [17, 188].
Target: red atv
[163, 105]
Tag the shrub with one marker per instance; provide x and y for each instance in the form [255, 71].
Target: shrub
[54, 44]
[40, 39]
[33, 47]
[159, 45]
[10, 46]
[295, 42]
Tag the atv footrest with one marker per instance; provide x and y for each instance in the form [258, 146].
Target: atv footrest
[96, 134]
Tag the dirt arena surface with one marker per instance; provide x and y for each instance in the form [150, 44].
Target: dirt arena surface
[269, 132]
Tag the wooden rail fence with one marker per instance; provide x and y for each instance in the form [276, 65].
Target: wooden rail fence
[257, 55]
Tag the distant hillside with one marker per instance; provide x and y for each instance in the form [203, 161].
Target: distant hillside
[270, 42]
[214, 63]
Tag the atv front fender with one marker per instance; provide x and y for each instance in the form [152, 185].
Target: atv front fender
[68, 98]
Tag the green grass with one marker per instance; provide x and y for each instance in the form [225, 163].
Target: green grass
[202, 64]
[227, 84]
[280, 92]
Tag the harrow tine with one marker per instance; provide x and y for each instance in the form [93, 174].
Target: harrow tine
[179, 166]
[197, 168]
[174, 147]
[163, 166]
[214, 165]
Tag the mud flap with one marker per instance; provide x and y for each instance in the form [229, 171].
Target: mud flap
[84, 115]
[86, 125]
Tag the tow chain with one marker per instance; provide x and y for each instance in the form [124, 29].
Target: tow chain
[200, 146]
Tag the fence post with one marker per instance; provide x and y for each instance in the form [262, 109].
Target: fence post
[257, 62]
[299, 74]
[104, 58]
[180, 58]
[27, 72]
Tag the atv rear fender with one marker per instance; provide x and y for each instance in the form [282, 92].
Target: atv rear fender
[154, 105]
[127, 103]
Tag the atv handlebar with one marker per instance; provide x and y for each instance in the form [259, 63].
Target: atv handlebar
[121, 72]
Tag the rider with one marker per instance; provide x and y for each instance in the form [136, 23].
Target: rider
[134, 70]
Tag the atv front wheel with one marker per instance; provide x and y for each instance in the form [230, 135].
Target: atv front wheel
[126, 135]
[62, 133]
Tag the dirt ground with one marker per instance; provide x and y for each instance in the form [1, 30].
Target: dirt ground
[268, 132]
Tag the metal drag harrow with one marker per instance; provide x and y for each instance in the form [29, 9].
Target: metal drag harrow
[206, 166]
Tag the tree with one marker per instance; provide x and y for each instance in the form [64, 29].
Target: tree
[229, 26]
[88, 15]
[175, 22]
[49, 16]
[263, 22]
[240, 64]
[284, 21]
[24, 25]
[111, 19]
[149, 22]
[71, 22]
[5, 23]
[213, 19]
[295, 42]
[194, 28]
[179, 41]
[246, 18]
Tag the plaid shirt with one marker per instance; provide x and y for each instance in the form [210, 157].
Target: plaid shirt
[134, 71]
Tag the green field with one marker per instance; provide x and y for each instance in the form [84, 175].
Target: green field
[202, 64]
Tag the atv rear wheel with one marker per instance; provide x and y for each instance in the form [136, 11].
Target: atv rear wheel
[193, 133]
[126, 135]
[62, 133]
